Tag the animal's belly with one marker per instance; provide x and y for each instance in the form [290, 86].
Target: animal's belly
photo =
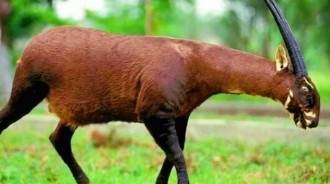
[82, 112]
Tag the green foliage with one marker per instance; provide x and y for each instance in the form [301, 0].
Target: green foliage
[248, 25]
[28, 18]
[129, 18]
[176, 18]
[121, 18]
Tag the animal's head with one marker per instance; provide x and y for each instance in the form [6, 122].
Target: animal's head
[303, 100]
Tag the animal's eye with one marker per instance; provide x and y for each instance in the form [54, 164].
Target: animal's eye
[304, 88]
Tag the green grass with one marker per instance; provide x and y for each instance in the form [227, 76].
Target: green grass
[28, 157]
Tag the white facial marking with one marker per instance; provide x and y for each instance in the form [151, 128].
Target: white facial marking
[291, 93]
[310, 114]
[308, 83]
[308, 122]
[299, 124]
[287, 102]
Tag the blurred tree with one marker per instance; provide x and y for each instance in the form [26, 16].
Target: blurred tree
[124, 17]
[248, 25]
[5, 67]
[5, 11]
[26, 18]
[148, 21]
[168, 17]
[175, 18]
[30, 17]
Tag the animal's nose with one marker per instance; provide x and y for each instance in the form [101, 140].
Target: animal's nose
[313, 124]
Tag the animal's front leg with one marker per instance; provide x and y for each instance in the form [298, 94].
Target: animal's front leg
[180, 127]
[162, 128]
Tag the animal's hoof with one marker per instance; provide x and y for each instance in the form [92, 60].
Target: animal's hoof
[82, 179]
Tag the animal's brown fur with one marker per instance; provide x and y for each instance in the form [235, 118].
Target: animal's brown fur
[97, 77]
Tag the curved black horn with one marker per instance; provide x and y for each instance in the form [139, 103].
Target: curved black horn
[290, 42]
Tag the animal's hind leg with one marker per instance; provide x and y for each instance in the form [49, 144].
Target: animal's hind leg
[180, 127]
[162, 128]
[21, 102]
[61, 140]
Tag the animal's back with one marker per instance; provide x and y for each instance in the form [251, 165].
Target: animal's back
[95, 76]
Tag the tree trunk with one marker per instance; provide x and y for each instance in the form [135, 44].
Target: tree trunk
[5, 66]
[193, 21]
[148, 19]
[5, 71]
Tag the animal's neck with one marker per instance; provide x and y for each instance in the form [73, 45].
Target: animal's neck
[236, 72]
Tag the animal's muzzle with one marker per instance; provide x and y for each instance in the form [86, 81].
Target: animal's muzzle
[306, 120]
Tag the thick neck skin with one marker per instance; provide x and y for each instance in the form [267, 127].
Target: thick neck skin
[235, 72]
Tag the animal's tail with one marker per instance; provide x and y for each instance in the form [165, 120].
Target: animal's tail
[27, 92]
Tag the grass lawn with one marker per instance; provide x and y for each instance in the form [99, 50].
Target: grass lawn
[28, 157]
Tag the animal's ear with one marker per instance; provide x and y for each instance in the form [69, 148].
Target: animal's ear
[283, 62]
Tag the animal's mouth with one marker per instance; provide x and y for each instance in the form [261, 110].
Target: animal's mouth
[303, 121]
[299, 120]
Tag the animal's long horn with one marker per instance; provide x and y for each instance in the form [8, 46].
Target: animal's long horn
[290, 42]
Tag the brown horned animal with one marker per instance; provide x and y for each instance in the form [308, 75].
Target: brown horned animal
[89, 77]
